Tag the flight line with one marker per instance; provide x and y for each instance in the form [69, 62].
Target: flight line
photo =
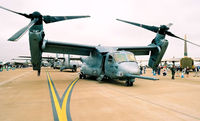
[60, 106]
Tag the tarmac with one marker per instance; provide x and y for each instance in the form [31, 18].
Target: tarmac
[56, 96]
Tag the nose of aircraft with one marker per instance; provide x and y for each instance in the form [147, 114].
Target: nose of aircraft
[129, 67]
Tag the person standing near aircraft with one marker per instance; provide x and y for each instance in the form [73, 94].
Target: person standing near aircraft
[196, 72]
[159, 69]
[1, 67]
[141, 68]
[164, 72]
[144, 69]
[187, 71]
[173, 70]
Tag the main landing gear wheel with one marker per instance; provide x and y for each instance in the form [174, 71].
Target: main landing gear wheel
[74, 70]
[129, 82]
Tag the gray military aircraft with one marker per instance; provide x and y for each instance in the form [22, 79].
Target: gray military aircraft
[46, 61]
[102, 62]
[70, 63]
[61, 63]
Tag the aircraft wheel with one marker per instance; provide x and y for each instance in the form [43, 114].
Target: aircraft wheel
[80, 75]
[127, 83]
[130, 83]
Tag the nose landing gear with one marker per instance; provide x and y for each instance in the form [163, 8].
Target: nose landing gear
[82, 76]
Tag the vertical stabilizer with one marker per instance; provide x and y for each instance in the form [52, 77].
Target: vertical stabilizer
[185, 47]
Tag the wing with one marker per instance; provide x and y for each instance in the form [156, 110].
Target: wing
[75, 58]
[29, 57]
[140, 50]
[67, 48]
[172, 59]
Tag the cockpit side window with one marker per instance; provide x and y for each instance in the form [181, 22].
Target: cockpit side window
[110, 58]
[131, 57]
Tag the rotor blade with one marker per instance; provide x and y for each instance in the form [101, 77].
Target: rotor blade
[22, 14]
[151, 28]
[172, 35]
[22, 31]
[169, 25]
[21, 59]
[24, 56]
[51, 19]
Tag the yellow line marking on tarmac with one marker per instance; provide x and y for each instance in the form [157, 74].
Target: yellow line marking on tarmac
[61, 111]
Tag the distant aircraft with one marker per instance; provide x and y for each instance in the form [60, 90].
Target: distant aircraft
[185, 58]
[71, 63]
[102, 62]
[197, 59]
[46, 61]
[19, 64]
[61, 63]
[171, 60]
[6, 65]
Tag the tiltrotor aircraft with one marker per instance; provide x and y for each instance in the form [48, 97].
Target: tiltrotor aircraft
[102, 62]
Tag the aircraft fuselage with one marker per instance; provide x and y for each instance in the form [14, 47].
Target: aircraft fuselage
[114, 65]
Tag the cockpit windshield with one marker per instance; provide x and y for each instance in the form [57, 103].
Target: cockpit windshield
[124, 57]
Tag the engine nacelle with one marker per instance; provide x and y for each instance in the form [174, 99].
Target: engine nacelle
[157, 55]
[35, 42]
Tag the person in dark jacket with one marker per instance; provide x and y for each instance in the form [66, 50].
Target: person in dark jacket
[187, 71]
[141, 68]
[173, 70]
[1, 67]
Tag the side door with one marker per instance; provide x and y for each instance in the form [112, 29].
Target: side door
[109, 65]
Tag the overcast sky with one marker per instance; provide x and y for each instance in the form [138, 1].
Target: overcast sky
[101, 27]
